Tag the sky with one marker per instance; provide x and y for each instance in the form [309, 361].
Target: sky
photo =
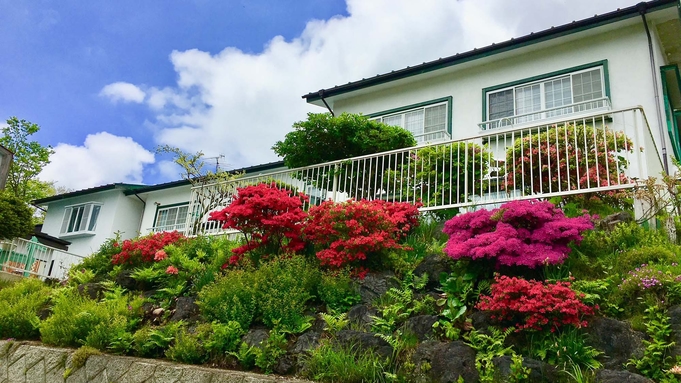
[109, 81]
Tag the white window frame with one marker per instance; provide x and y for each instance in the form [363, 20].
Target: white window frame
[177, 225]
[542, 113]
[81, 223]
[421, 138]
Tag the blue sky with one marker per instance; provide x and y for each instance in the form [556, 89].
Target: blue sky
[108, 81]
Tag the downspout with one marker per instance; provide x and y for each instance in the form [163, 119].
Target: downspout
[642, 9]
[144, 208]
[321, 95]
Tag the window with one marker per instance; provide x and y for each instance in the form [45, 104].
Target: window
[171, 218]
[80, 218]
[576, 92]
[427, 123]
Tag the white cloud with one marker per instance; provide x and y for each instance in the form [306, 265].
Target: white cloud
[123, 91]
[104, 158]
[238, 104]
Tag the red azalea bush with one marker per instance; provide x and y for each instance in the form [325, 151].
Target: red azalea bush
[144, 249]
[348, 232]
[519, 233]
[270, 218]
[534, 305]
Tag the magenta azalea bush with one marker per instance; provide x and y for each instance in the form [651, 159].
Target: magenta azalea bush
[519, 233]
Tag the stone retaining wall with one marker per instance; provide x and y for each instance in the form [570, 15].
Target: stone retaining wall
[24, 362]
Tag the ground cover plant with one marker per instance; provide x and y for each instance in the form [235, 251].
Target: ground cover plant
[376, 293]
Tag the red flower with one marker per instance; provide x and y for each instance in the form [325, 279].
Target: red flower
[172, 270]
[160, 255]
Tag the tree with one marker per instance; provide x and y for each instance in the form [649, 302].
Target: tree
[30, 157]
[210, 189]
[323, 138]
[15, 217]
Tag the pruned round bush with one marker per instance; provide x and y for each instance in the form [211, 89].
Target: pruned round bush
[520, 233]
[633, 258]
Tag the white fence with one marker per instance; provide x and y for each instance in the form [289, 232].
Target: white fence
[33, 259]
[599, 152]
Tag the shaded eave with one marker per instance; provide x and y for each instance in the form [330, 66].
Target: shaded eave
[97, 189]
[174, 184]
[514, 43]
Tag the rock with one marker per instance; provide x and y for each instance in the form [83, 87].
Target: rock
[185, 309]
[446, 362]
[255, 336]
[306, 342]
[421, 326]
[675, 323]
[286, 364]
[539, 371]
[93, 291]
[375, 285]
[364, 341]
[612, 220]
[360, 316]
[481, 320]
[158, 312]
[618, 341]
[610, 376]
[433, 265]
[126, 281]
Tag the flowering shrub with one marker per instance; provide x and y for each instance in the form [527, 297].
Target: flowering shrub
[579, 157]
[534, 305]
[270, 218]
[650, 278]
[145, 249]
[519, 233]
[348, 232]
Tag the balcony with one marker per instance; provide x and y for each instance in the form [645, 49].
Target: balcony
[595, 151]
[29, 258]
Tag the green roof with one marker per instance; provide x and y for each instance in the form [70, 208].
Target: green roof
[96, 189]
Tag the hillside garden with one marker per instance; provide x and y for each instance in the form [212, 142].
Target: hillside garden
[372, 291]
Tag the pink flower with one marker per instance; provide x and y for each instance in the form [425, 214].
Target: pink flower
[172, 270]
[160, 255]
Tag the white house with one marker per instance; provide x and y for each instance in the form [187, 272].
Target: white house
[615, 74]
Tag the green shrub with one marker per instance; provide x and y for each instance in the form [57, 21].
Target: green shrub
[222, 338]
[230, 298]
[152, 342]
[335, 364]
[220, 252]
[100, 262]
[19, 306]
[79, 320]
[633, 258]
[338, 291]
[187, 348]
[565, 348]
[285, 286]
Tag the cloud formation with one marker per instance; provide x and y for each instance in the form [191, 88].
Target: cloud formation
[238, 104]
[124, 92]
[104, 158]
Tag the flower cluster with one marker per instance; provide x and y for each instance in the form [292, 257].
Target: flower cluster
[534, 305]
[145, 249]
[650, 277]
[270, 218]
[348, 232]
[519, 233]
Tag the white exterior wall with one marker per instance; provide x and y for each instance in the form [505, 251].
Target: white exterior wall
[625, 49]
[161, 198]
[118, 213]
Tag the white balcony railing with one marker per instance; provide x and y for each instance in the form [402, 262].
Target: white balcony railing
[548, 116]
[159, 229]
[33, 259]
[599, 152]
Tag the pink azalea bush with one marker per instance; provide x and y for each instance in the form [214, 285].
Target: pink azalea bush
[519, 233]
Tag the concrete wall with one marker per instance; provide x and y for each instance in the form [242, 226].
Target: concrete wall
[33, 363]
